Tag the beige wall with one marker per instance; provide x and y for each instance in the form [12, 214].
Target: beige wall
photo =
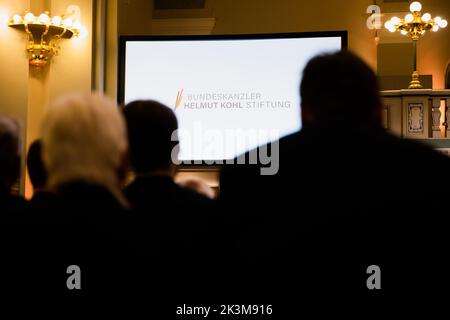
[25, 91]
[14, 69]
[135, 17]
[111, 48]
[71, 70]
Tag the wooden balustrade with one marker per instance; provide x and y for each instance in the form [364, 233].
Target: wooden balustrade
[417, 114]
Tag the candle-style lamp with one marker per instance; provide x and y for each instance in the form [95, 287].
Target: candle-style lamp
[415, 25]
[44, 33]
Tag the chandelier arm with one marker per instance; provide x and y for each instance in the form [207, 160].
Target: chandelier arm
[30, 35]
[47, 29]
[59, 36]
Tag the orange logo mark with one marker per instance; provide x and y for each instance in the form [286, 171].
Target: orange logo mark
[179, 99]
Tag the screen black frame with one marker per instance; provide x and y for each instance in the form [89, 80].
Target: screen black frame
[260, 36]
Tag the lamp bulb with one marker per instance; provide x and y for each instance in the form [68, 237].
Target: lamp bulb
[409, 18]
[17, 19]
[67, 23]
[83, 32]
[396, 20]
[389, 24]
[392, 29]
[29, 17]
[416, 6]
[437, 20]
[404, 32]
[56, 20]
[426, 17]
[435, 28]
[443, 24]
[44, 19]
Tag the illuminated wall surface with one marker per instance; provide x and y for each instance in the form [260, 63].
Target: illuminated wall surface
[24, 90]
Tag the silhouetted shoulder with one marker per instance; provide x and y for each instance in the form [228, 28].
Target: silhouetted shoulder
[12, 207]
[161, 192]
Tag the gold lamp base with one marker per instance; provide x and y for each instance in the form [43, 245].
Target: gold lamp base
[415, 82]
[38, 62]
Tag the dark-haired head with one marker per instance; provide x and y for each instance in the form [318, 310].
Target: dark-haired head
[35, 165]
[340, 89]
[9, 152]
[150, 127]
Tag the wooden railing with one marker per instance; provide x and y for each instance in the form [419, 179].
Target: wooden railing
[417, 114]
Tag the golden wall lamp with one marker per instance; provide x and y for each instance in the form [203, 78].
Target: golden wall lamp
[415, 25]
[44, 33]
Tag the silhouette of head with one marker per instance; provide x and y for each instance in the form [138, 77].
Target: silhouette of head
[35, 165]
[150, 127]
[9, 152]
[339, 89]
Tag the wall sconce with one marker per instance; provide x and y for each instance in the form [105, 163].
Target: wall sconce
[415, 25]
[44, 34]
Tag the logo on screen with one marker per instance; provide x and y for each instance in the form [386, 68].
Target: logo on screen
[179, 99]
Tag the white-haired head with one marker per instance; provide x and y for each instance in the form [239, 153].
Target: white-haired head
[84, 138]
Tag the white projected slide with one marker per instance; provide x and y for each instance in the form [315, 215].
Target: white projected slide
[229, 96]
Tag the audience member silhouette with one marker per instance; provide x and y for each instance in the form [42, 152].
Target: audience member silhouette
[84, 146]
[9, 167]
[84, 150]
[345, 196]
[38, 176]
[173, 222]
[150, 129]
[12, 207]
